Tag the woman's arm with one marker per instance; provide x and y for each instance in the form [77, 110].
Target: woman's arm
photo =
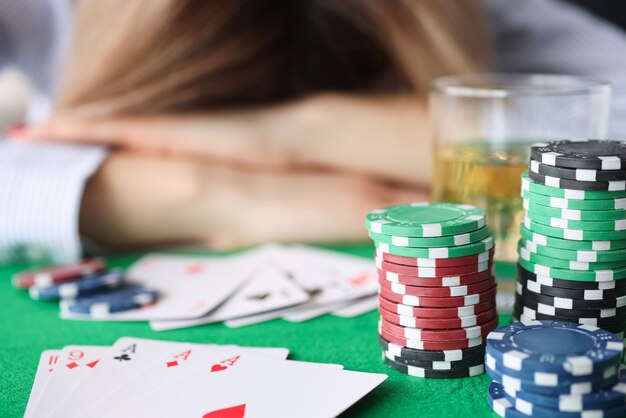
[380, 136]
[141, 199]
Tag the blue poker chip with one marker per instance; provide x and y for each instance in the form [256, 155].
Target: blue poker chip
[508, 407]
[551, 388]
[85, 285]
[559, 348]
[127, 297]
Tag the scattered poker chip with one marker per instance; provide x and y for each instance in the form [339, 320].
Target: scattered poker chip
[426, 272]
[616, 225]
[436, 262]
[618, 293]
[573, 234]
[574, 214]
[509, 407]
[538, 346]
[465, 354]
[447, 281]
[576, 275]
[530, 302]
[452, 334]
[568, 284]
[48, 276]
[132, 296]
[579, 174]
[441, 252]
[435, 365]
[574, 388]
[567, 244]
[84, 286]
[584, 153]
[425, 219]
[438, 323]
[532, 186]
[562, 302]
[575, 255]
[564, 203]
[462, 313]
[602, 400]
[578, 185]
[435, 374]
[440, 292]
[387, 292]
[545, 260]
[438, 241]
[431, 345]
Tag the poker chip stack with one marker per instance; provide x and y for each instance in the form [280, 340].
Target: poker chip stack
[436, 288]
[86, 288]
[552, 369]
[572, 254]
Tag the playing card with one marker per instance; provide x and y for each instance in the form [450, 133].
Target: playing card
[269, 289]
[358, 307]
[127, 358]
[189, 287]
[47, 363]
[253, 386]
[74, 364]
[328, 276]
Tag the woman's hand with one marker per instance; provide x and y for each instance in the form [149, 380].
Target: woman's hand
[141, 199]
[385, 137]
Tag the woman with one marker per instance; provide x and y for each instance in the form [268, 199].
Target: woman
[279, 120]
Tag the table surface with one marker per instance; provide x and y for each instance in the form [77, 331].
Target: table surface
[28, 327]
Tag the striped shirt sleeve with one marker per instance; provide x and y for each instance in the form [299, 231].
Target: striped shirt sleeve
[41, 187]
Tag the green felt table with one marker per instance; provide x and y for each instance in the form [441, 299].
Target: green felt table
[28, 327]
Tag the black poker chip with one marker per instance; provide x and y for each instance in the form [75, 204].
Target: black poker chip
[582, 294]
[570, 284]
[584, 153]
[436, 374]
[571, 315]
[577, 185]
[569, 303]
[579, 174]
[615, 327]
[431, 355]
[435, 365]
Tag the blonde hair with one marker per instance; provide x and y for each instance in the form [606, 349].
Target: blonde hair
[151, 56]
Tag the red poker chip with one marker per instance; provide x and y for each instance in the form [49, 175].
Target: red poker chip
[434, 313]
[436, 262]
[438, 323]
[452, 334]
[439, 292]
[448, 281]
[45, 277]
[386, 292]
[431, 345]
[432, 271]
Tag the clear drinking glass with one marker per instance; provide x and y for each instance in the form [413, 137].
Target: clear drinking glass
[484, 125]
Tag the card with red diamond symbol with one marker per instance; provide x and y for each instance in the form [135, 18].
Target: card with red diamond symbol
[141, 377]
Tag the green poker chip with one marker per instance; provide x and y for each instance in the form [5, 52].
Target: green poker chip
[564, 203]
[575, 214]
[575, 255]
[425, 219]
[445, 241]
[438, 252]
[573, 234]
[567, 244]
[530, 185]
[574, 275]
[617, 225]
[526, 254]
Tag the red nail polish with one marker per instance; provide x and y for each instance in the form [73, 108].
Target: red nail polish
[15, 129]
